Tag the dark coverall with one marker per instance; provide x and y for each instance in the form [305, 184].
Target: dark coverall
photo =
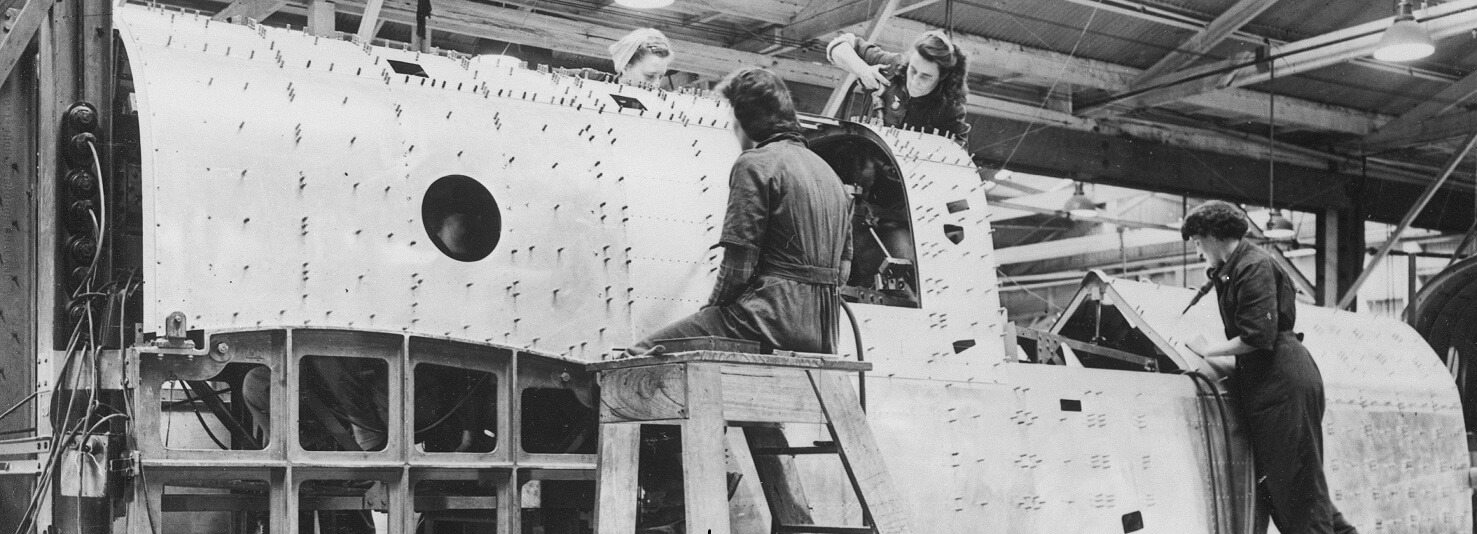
[1279, 392]
[787, 245]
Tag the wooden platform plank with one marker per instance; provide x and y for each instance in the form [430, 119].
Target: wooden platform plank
[859, 453]
[759, 394]
[652, 393]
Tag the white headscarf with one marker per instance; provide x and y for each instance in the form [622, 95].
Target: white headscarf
[623, 50]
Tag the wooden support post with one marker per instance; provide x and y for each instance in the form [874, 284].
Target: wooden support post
[369, 24]
[15, 40]
[704, 472]
[615, 497]
[321, 18]
[17, 174]
[1326, 247]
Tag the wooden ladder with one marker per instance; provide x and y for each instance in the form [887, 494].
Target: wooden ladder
[705, 393]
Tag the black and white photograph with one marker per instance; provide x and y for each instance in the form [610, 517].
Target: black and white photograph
[738, 266]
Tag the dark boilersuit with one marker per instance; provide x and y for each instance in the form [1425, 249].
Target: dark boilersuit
[788, 210]
[1279, 392]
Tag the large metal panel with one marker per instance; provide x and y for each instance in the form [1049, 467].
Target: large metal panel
[285, 175]
[1394, 439]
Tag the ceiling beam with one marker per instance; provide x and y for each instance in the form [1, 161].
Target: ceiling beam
[590, 39]
[1397, 132]
[251, 9]
[1205, 40]
[1125, 161]
[822, 17]
[771, 11]
[996, 59]
[369, 22]
[1422, 132]
[1158, 15]
[1446, 20]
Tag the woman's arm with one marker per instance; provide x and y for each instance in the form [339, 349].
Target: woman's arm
[843, 53]
[1230, 347]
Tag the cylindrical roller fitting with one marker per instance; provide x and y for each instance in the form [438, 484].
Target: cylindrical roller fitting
[82, 116]
[79, 149]
[78, 216]
[82, 248]
[81, 183]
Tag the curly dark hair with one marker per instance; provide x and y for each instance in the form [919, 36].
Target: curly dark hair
[938, 49]
[1221, 220]
[761, 102]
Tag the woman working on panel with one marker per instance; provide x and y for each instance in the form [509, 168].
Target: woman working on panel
[1277, 386]
[923, 88]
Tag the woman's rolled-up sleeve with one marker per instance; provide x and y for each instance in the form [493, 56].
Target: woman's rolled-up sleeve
[747, 216]
[1256, 305]
[869, 52]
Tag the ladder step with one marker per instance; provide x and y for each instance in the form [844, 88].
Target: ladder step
[821, 529]
[821, 447]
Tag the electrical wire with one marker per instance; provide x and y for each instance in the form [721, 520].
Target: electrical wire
[861, 354]
[69, 425]
[17, 405]
[1035, 117]
[196, 407]
[458, 405]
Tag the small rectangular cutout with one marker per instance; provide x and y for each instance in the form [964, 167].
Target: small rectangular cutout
[958, 205]
[406, 67]
[1071, 405]
[1133, 522]
[628, 102]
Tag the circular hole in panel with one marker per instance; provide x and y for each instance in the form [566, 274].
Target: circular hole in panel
[461, 218]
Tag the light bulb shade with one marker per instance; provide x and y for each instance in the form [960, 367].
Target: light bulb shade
[643, 4]
[1278, 227]
[1080, 206]
[1405, 40]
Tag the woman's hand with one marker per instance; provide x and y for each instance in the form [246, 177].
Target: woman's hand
[872, 77]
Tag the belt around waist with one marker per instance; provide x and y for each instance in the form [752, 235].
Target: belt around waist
[809, 274]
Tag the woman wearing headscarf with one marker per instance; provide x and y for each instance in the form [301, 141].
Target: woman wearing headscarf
[924, 88]
[641, 57]
[1277, 386]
